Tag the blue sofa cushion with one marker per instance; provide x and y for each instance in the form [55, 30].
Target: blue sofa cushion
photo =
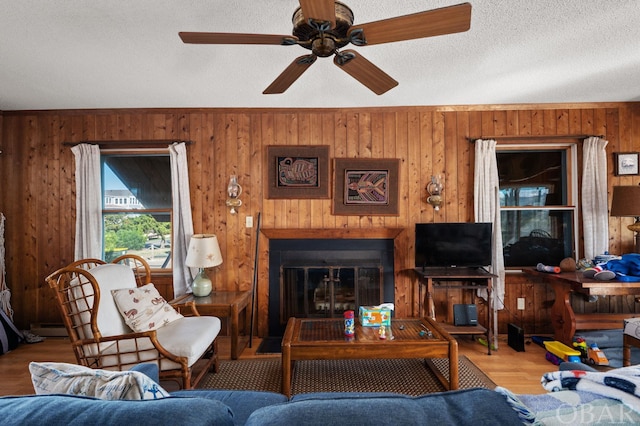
[79, 410]
[241, 402]
[150, 370]
[464, 407]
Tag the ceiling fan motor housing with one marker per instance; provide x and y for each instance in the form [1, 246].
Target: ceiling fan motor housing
[323, 42]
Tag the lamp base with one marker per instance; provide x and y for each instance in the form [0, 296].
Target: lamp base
[635, 227]
[201, 286]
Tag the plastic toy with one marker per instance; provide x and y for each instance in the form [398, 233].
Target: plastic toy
[539, 340]
[546, 268]
[596, 356]
[590, 353]
[563, 352]
[581, 345]
[553, 359]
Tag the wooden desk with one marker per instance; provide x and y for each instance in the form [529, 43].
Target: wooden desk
[226, 304]
[458, 278]
[564, 320]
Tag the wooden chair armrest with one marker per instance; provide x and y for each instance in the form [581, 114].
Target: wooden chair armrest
[191, 305]
[152, 335]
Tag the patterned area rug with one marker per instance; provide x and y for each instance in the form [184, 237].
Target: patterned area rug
[405, 376]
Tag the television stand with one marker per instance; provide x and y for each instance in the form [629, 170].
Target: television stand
[457, 278]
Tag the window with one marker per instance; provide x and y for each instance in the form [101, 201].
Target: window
[538, 203]
[137, 206]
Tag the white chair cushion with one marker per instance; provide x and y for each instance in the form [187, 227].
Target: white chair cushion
[143, 308]
[188, 336]
[111, 277]
[109, 320]
[55, 377]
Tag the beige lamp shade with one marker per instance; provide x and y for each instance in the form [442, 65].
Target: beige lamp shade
[203, 252]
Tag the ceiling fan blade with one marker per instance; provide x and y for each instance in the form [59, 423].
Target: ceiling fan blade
[233, 38]
[290, 74]
[447, 20]
[319, 10]
[364, 71]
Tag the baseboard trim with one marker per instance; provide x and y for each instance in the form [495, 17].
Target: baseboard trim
[49, 330]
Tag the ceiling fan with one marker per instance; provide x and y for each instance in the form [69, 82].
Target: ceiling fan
[326, 26]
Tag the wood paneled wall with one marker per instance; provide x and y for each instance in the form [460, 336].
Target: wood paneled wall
[38, 186]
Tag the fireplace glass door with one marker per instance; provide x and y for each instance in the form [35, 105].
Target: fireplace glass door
[311, 291]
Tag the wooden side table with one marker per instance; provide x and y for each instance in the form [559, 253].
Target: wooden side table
[456, 278]
[226, 304]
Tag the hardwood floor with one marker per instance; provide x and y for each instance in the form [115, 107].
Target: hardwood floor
[517, 371]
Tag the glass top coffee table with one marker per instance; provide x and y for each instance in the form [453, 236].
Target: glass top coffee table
[320, 339]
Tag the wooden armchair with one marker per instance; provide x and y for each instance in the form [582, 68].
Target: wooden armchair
[101, 338]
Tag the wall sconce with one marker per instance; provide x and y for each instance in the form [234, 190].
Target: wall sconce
[435, 188]
[625, 202]
[233, 191]
[203, 252]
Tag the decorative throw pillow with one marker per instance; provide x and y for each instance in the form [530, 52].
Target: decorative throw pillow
[143, 308]
[71, 379]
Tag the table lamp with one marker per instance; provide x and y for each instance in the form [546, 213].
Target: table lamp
[203, 252]
[626, 203]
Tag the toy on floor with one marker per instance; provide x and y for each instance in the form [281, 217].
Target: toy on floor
[561, 352]
[483, 342]
[539, 340]
[590, 353]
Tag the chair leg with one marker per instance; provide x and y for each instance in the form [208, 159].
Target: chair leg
[215, 366]
[186, 378]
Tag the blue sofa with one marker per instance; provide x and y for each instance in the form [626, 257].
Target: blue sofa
[213, 407]
[238, 407]
[235, 407]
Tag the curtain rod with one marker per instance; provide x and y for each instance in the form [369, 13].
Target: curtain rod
[155, 143]
[503, 137]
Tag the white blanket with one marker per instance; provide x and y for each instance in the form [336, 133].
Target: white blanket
[622, 384]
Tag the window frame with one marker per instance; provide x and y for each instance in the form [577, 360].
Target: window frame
[572, 192]
[136, 152]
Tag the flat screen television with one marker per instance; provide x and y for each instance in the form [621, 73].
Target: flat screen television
[463, 245]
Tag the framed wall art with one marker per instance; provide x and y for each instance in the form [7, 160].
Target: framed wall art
[626, 163]
[298, 171]
[364, 186]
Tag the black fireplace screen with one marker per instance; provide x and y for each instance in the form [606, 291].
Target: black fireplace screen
[317, 292]
[323, 278]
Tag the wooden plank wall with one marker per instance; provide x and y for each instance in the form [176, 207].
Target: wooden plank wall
[38, 187]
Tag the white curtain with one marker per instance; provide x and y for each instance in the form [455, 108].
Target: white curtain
[595, 216]
[88, 202]
[486, 193]
[182, 220]
[5, 293]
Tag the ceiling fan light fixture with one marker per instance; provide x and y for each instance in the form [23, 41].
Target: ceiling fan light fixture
[323, 46]
[326, 26]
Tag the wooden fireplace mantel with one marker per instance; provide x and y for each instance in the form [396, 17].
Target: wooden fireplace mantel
[337, 233]
[406, 295]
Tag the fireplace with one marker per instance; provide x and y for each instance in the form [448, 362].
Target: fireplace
[322, 278]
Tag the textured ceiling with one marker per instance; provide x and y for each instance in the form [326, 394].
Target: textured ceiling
[117, 54]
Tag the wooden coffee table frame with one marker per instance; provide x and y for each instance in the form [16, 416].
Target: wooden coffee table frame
[322, 339]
